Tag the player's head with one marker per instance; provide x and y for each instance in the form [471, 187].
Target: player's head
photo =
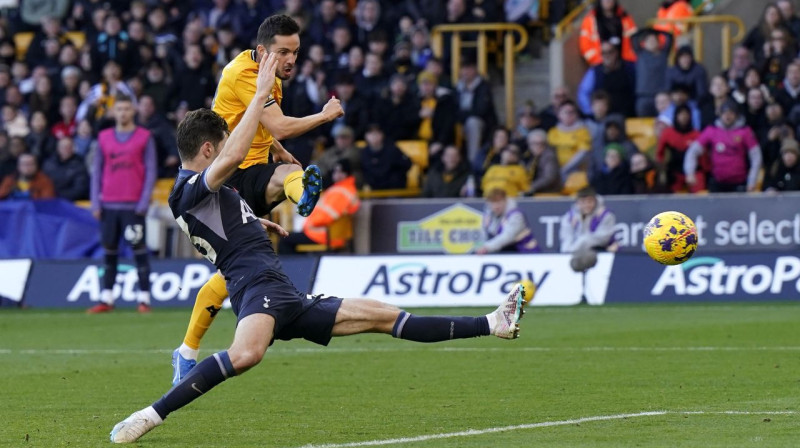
[201, 136]
[279, 34]
[123, 110]
[587, 200]
[496, 198]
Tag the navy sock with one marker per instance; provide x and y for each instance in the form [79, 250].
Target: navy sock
[110, 266]
[201, 379]
[438, 328]
[143, 268]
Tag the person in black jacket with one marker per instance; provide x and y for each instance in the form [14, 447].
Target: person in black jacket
[397, 111]
[113, 44]
[163, 136]
[438, 125]
[785, 173]
[476, 108]
[448, 178]
[615, 177]
[383, 164]
[356, 110]
[193, 83]
[68, 172]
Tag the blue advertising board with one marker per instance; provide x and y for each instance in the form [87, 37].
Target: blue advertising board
[705, 278]
[77, 284]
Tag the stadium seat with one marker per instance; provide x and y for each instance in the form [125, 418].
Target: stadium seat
[342, 228]
[642, 132]
[575, 181]
[23, 40]
[417, 151]
[161, 190]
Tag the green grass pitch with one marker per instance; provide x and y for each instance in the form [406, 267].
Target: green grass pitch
[614, 376]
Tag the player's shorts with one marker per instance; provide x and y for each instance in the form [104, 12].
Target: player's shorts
[125, 223]
[297, 315]
[251, 183]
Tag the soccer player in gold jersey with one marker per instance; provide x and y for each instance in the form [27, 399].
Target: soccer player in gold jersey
[262, 184]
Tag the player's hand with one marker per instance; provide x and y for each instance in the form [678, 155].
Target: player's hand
[266, 76]
[332, 109]
[270, 226]
[482, 251]
[691, 179]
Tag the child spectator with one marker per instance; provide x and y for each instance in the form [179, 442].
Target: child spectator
[652, 49]
[784, 175]
[674, 142]
[614, 177]
[505, 227]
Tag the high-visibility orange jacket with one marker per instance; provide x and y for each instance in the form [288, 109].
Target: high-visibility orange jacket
[678, 10]
[589, 42]
[339, 200]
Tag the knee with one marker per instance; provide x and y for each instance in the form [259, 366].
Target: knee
[245, 359]
[282, 171]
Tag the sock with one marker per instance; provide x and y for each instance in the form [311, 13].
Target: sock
[438, 328]
[205, 375]
[110, 275]
[143, 297]
[206, 306]
[152, 415]
[107, 296]
[188, 352]
[293, 186]
[143, 269]
[491, 318]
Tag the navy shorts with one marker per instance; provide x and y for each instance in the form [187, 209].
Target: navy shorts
[125, 223]
[251, 183]
[297, 315]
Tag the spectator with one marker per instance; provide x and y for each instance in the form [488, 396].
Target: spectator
[586, 229]
[85, 143]
[127, 154]
[476, 109]
[384, 165]
[509, 175]
[401, 62]
[43, 99]
[755, 114]
[14, 122]
[614, 176]
[779, 52]
[368, 19]
[67, 126]
[688, 73]
[341, 52]
[788, 92]
[398, 111]
[731, 147]
[70, 81]
[607, 22]
[614, 133]
[224, 13]
[527, 121]
[421, 51]
[324, 22]
[652, 59]
[51, 31]
[438, 122]
[752, 80]
[759, 35]
[675, 141]
[113, 44]
[156, 86]
[28, 182]
[742, 60]
[68, 172]
[372, 80]
[570, 138]
[39, 141]
[596, 122]
[343, 148]
[614, 76]
[643, 174]
[790, 19]
[505, 227]
[544, 171]
[549, 115]
[337, 201]
[163, 135]
[777, 130]
[674, 9]
[193, 83]
[679, 96]
[100, 100]
[253, 13]
[719, 93]
[490, 154]
[785, 172]
[448, 178]
[355, 106]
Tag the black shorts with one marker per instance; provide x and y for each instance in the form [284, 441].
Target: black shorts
[251, 183]
[297, 315]
[125, 223]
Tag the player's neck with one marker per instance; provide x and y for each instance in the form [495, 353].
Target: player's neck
[130, 127]
[194, 165]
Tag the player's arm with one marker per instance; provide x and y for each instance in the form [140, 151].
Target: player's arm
[235, 150]
[283, 127]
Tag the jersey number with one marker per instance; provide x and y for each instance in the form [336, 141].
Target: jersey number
[202, 245]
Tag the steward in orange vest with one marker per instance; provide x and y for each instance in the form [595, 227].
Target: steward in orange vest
[599, 27]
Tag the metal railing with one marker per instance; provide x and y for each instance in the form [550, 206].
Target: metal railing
[509, 48]
[696, 24]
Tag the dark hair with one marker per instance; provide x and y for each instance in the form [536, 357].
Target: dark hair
[121, 98]
[345, 166]
[600, 95]
[279, 25]
[199, 126]
[374, 127]
[586, 192]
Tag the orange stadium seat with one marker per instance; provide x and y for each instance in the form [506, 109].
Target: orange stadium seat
[23, 40]
[161, 190]
[642, 132]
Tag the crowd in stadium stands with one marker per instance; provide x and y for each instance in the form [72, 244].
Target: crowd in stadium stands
[717, 134]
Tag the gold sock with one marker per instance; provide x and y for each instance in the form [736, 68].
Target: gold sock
[206, 305]
[293, 186]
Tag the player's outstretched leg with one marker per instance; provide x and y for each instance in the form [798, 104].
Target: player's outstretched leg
[504, 321]
[312, 186]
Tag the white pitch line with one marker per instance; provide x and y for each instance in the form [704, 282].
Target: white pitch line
[478, 432]
[315, 350]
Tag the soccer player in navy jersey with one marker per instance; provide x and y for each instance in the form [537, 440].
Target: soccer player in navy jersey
[224, 229]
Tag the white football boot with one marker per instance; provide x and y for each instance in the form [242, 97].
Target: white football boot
[135, 426]
[504, 321]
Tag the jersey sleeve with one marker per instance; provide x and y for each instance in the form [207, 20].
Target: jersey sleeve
[192, 191]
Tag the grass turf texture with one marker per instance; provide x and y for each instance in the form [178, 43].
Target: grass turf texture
[66, 378]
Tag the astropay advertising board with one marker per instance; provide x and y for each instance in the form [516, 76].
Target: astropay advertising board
[459, 280]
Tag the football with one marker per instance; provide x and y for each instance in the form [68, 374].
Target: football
[670, 238]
